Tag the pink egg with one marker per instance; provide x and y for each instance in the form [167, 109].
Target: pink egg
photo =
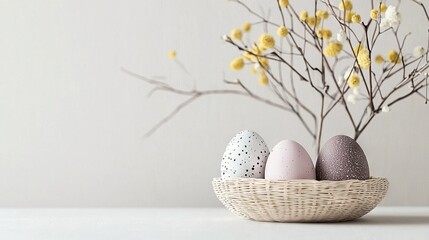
[289, 160]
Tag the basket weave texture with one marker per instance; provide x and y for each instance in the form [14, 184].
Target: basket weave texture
[300, 200]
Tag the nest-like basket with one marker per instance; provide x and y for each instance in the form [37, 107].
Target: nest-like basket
[300, 200]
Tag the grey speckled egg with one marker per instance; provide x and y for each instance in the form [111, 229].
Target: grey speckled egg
[245, 156]
[341, 158]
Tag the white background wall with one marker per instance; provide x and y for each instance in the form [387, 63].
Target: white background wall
[72, 124]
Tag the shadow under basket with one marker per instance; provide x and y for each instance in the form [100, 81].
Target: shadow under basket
[300, 200]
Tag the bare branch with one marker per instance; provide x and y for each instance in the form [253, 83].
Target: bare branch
[305, 62]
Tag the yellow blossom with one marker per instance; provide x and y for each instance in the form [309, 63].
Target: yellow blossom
[256, 50]
[282, 31]
[345, 5]
[303, 15]
[247, 55]
[266, 41]
[318, 20]
[236, 34]
[363, 59]
[262, 48]
[333, 49]
[358, 48]
[374, 14]
[246, 27]
[327, 34]
[263, 61]
[353, 80]
[349, 16]
[250, 53]
[263, 79]
[356, 18]
[324, 34]
[322, 14]
[312, 21]
[379, 59]
[383, 7]
[284, 3]
[237, 64]
[393, 57]
[172, 54]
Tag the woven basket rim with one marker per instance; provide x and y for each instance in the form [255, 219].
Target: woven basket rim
[219, 179]
[300, 200]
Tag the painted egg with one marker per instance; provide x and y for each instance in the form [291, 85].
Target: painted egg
[289, 160]
[341, 158]
[245, 156]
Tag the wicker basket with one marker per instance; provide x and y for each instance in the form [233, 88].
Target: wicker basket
[300, 200]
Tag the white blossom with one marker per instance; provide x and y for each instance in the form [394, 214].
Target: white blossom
[341, 36]
[351, 98]
[225, 37]
[356, 91]
[419, 51]
[391, 18]
[385, 109]
[350, 71]
[384, 23]
[257, 66]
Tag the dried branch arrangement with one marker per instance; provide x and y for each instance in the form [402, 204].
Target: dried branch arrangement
[332, 49]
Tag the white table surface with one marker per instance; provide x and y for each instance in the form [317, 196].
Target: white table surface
[202, 223]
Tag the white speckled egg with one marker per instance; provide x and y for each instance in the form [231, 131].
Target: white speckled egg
[245, 156]
[289, 160]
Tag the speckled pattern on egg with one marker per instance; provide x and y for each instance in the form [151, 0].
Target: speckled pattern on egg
[245, 156]
[341, 158]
